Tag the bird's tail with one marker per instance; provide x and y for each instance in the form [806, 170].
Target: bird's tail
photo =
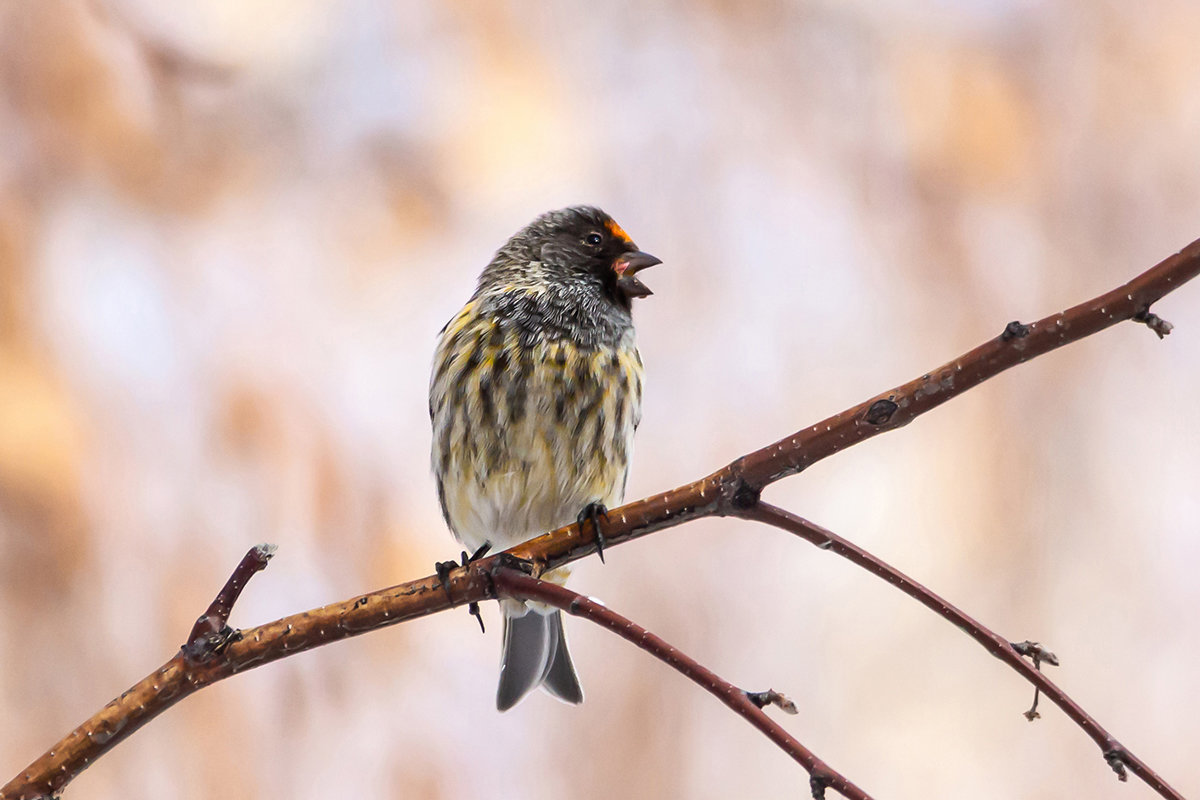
[535, 654]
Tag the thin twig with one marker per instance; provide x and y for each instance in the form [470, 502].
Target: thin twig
[749, 705]
[1114, 752]
[724, 492]
[211, 634]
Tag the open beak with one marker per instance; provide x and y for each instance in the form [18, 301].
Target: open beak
[627, 266]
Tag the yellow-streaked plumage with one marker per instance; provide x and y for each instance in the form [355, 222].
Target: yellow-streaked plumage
[527, 437]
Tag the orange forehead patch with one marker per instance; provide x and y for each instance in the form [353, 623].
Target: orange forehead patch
[617, 231]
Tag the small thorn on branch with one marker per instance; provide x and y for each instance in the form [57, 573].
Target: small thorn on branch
[1115, 756]
[1014, 330]
[772, 698]
[1038, 653]
[1154, 322]
[211, 634]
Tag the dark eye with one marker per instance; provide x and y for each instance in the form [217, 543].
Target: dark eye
[594, 239]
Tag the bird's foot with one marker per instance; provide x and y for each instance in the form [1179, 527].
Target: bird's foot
[525, 565]
[443, 568]
[592, 512]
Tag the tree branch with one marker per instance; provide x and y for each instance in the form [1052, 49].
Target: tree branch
[1015, 345]
[1117, 756]
[729, 491]
[511, 583]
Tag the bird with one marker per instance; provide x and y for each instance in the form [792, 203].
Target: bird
[534, 397]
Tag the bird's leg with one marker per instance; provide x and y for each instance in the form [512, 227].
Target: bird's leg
[593, 512]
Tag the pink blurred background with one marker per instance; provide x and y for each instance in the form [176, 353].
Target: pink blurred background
[229, 232]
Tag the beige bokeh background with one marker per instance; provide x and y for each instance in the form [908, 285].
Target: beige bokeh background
[230, 230]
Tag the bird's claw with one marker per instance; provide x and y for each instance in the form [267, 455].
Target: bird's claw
[443, 569]
[473, 610]
[592, 512]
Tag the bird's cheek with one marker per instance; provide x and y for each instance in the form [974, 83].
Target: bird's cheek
[551, 253]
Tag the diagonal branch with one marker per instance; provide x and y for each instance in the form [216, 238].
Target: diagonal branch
[1117, 756]
[1015, 345]
[512, 583]
[728, 491]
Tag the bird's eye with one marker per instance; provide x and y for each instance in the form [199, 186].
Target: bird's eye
[594, 239]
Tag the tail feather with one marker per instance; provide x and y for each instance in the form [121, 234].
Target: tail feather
[562, 681]
[535, 653]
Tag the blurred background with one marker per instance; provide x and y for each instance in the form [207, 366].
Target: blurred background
[230, 231]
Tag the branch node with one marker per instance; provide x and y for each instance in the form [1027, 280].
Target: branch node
[1014, 330]
[736, 493]
[880, 411]
[1153, 321]
[1115, 756]
[772, 698]
[744, 495]
[818, 783]
[1038, 653]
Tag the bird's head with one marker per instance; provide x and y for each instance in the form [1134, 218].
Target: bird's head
[583, 243]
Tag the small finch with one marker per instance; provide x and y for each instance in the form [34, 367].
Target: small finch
[535, 395]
